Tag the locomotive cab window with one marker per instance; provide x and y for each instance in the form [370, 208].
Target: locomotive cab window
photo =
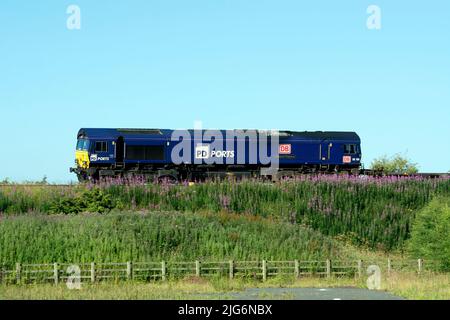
[101, 146]
[82, 145]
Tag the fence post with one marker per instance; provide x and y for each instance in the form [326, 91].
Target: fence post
[419, 265]
[328, 268]
[163, 270]
[264, 270]
[359, 268]
[197, 268]
[18, 272]
[129, 270]
[92, 272]
[296, 269]
[389, 266]
[56, 273]
[231, 265]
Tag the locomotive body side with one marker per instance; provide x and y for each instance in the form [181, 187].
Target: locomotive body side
[155, 153]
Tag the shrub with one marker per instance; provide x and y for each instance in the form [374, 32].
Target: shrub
[430, 235]
[93, 200]
[397, 164]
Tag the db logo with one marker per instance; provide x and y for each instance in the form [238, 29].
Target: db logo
[347, 159]
[284, 149]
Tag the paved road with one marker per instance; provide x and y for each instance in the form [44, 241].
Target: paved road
[309, 294]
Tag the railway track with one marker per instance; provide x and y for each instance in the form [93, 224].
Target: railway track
[373, 173]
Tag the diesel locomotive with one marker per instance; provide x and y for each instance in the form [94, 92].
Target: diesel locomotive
[151, 153]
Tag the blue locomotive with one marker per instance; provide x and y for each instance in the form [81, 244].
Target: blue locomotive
[198, 154]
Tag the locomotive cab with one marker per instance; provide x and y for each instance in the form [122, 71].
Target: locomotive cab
[97, 152]
[351, 156]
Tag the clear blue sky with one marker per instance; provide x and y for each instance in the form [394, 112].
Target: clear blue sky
[297, 65]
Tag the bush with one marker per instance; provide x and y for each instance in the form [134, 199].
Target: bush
[397, 164]
[430, 235]
[93, 200]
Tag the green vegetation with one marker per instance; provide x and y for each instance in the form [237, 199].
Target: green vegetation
[424, 287]
[119, 237]
[396, 164]
[430, 236]
[93, 200]
[311, 218]
[372, 212]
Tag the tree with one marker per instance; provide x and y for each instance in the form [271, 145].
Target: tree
[430, 235]
[396, 164]
[44, 180]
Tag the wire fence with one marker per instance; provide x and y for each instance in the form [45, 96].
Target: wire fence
[163, 270]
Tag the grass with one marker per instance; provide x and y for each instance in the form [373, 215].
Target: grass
[406, 285]
[156, 236]
[375, 212]
[311, 218]
[428, 286]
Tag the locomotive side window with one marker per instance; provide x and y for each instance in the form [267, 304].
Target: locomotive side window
[346, 148]
[101, 146]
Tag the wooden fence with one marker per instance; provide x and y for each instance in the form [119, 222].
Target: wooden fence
[148, 271]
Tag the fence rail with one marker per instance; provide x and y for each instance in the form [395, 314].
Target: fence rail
[162, 270]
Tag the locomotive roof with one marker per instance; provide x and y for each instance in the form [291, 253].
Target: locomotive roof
[104, 133]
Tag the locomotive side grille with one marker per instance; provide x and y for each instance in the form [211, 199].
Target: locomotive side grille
[145, 152]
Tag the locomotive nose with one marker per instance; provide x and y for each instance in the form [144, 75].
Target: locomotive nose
[82, 159]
